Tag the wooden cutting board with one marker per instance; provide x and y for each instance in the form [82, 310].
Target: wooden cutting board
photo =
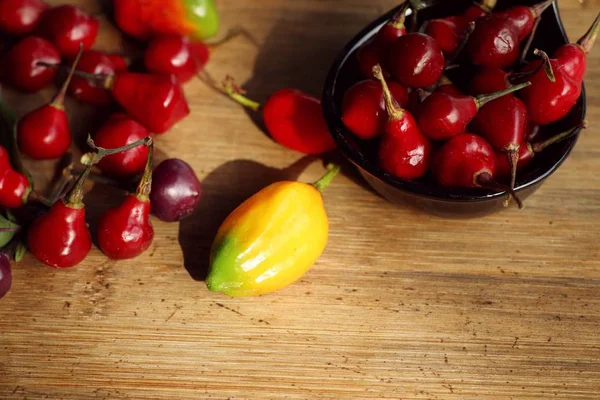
[402, 305]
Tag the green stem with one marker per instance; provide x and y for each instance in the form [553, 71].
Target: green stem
[538, 147]
[74, 198]
[145, 185]
[539, 8]
[516, 77]
[482, 100]
[59, 99]
[395, 113]
[486, 181]
[466, 35]
[102, 80]
[101, 152]
[587, 41]
[399, 19]
[546, 64]
[322, 183]
[236, 93]
[529, 42]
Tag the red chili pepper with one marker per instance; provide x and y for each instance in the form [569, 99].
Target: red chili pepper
[14, 187]
[44, 133]
[293, 119]
[95, 62]
[126, 231]
[120, 130]
[177, 55]
[23, 65]
[61, 238]
[20, 17]
[68, 27]
[157, 101]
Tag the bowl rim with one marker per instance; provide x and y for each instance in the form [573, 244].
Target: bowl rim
[338, 131]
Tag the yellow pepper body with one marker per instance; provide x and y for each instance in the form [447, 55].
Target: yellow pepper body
[269, 241]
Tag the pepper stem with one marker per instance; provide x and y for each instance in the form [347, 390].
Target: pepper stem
[516, 77]
[103, 80]
[415, 6]
[538, 147]
[332, 171]
[512, 154]
[529, 42]
[399, 19]
[465, 38]
[101, 152]
[395, 113]
[143, 190]
[485, 180]
[546, 64]
[237, 94]
[539, 8]
[488, 5]
[587, 41]
[59, 99]
[74, 198]
[482, 100]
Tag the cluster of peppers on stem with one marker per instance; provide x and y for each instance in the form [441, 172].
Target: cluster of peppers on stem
[70, 241]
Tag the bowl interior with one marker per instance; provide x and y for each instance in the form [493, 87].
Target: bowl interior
[344, 73]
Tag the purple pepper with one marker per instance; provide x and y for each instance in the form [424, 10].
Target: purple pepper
[5, 275]
[175, 190]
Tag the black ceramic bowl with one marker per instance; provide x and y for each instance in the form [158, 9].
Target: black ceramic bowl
[425, 193]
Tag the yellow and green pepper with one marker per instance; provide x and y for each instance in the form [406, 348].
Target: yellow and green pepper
[271, 239]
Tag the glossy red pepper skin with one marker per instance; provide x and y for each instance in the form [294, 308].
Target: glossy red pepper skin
[14, 187]
[156, 101]
[67, 26]
[502, 122]
[95, 62]
[22, 69]
[404, 151]
[462, 159]
[416, 60]
[363, 107]
[295, 120]
[549, 102]
[443, 116]
[488, 80]
[447, 32]
[573, 60]
[60, 238]
[20, 17]
[493, 43]
[120, 130]
[125, 231]
[177, 55]
[44, 133]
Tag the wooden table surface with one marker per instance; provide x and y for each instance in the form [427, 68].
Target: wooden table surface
[402, 305]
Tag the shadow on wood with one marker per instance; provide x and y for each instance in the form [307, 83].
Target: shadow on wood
[223, 190]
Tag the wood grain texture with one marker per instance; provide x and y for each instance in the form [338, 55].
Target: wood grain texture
[402, 305]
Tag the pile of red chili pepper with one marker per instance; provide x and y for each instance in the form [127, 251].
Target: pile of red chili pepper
[483, 132]
[38, 42]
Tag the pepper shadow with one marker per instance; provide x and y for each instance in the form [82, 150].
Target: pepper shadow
[296, 54]
[223, 190]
